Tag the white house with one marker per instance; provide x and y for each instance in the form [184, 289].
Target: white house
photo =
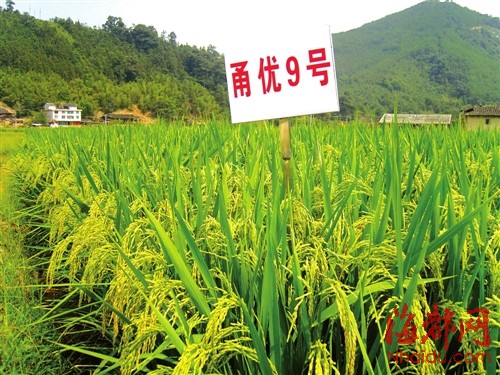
[66, 114]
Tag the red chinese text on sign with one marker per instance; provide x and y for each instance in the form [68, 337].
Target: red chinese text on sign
[269, 66]
[241, 79]
[267, 75]
[319, 64]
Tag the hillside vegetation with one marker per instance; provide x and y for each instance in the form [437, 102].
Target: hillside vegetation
[433, 57]
[106, 69]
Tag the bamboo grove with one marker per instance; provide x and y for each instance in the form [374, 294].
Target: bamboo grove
[168, 249]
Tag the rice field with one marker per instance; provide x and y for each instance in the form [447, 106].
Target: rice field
[167, 249]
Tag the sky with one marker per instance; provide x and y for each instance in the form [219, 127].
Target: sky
[218, 22]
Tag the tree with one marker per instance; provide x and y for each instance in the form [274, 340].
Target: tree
[144, 37]
[116, 26]
[172, 38]
[39, 117]
[113, 23]
[10, 5]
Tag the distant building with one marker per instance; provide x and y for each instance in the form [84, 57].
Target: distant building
[67, 114]
[119, 117]
[415, 119]
[7, 114]
[481, 116]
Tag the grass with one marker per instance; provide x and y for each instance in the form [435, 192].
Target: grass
[10, 140]
[24, 348]
[178, 250]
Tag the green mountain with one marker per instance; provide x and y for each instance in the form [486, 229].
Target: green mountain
[106, 69]
[433, 57]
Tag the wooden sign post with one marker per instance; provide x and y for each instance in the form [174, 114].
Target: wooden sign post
[290, 72]
[286, 153]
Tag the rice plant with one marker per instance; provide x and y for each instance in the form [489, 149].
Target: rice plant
[177, 250]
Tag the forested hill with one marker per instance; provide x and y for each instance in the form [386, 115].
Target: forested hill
[105, 69]
[432, 57]
[435, 57]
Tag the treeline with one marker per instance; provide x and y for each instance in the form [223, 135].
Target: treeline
[106, 69]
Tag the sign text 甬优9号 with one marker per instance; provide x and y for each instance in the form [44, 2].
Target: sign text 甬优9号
[284, 76]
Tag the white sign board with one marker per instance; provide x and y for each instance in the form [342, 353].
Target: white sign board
[289, 72]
